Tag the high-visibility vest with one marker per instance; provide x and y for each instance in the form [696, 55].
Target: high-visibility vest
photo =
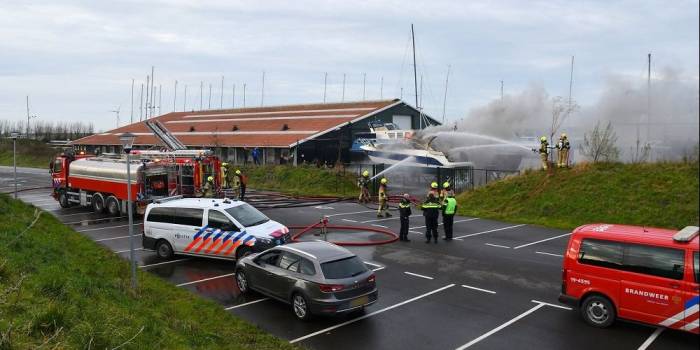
[451, 206]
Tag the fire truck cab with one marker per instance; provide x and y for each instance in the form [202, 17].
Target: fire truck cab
[642, 274]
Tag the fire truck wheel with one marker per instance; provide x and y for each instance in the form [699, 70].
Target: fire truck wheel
[242, 252]
[63, 200]
[164, 250]
[98, 203]
[598, 311]
[112, 205]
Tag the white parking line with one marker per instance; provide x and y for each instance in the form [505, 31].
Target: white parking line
[417, 275]
[102, 228]
[496, 245]
[479, 289]
[489, 231]
[455, 222]
[540, 241]
[163, 263]
[39, 201]
[322, 331]
[126, 250]
[552, 305]
[380, 226]
[552, 254]
[357, 212]
[651, 338]
[113, 238]
[246, 304]
[82, 221]
[391, 218]
[349, 220]
[491, 332]
[372, 264]
[205, 279]
[378, 268]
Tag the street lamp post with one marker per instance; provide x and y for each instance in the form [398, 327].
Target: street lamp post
[14, 136]
[127, 140]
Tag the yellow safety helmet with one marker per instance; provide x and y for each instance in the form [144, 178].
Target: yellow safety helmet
[446, 185]
[434, 185]
[543, 138]
[563, 135]
[238, 172]
[365, 173]
[384, 181]
[210, 179]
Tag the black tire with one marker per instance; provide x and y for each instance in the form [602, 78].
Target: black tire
[112, 206]
[98, 203]
[300, 307]
[63, 199]
[242, 281]
[598, 311]
[164, 250]
[242, 252]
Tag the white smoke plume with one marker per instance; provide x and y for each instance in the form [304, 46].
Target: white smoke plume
[670, 127]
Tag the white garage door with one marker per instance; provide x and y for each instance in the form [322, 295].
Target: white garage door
[403, 121]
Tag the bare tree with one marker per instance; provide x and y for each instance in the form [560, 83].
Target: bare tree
[640, 152]
[561, 110]
[599, 144]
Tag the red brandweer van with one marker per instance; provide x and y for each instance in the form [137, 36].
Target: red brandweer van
[642, 274]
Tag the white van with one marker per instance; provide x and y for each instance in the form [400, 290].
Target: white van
[216, 228]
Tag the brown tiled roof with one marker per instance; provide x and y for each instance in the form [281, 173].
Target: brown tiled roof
[262, 127]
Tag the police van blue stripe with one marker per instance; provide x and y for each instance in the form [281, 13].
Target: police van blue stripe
[200, 232]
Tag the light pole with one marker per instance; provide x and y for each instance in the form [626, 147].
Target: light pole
[127, 140]
[14, 136]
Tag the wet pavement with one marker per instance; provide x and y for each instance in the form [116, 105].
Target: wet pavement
[495, 286]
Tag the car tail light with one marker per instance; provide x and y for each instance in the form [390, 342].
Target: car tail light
[563, 281]
[371, 278]
[330, 288]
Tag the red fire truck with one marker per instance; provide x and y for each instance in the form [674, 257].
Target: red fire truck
[100, 182]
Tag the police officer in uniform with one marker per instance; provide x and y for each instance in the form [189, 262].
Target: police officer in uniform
[404, 214]
[431, 212]
[449, 208]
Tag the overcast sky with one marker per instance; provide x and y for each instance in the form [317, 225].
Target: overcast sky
[76, 59]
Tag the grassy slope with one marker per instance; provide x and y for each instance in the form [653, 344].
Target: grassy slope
[73, 293]
[302, 180]
[659, 194]
[30, 153]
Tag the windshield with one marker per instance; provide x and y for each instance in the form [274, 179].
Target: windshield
[343, 268]
[247, 216]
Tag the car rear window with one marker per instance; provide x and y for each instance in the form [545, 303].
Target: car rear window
[343, 268]
[247, 216]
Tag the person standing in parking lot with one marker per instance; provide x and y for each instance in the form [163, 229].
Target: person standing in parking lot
[242, 182]
[383, 198]
[404, 214]
[431, 212]
[449, 209]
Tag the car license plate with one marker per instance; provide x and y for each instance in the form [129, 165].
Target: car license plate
[359, 301]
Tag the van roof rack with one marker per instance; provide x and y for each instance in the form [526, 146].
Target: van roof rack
[167, 199]
[686, 234]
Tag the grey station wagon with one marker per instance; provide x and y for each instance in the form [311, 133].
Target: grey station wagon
[314, 277]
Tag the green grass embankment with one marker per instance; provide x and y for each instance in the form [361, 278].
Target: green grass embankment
[302, 180]
[30, 153]
[654, 194]
[59, 289]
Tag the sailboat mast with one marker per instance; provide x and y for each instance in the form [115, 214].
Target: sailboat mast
[415, 74]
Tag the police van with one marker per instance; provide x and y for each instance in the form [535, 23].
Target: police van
[642, 274]
[216, 228]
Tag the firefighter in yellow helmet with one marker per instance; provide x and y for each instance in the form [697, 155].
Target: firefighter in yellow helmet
[363, 184]
[544, 151]
[563, 146]
[383, 197]
[208, 188]
[224, 175]
[433, 190]
[444, 192]
[235, 182]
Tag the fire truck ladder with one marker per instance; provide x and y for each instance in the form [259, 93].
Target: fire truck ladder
[170, 141]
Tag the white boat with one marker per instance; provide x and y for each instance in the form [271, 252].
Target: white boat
[390, 145]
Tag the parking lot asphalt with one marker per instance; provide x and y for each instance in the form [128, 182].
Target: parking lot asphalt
[495, 286]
